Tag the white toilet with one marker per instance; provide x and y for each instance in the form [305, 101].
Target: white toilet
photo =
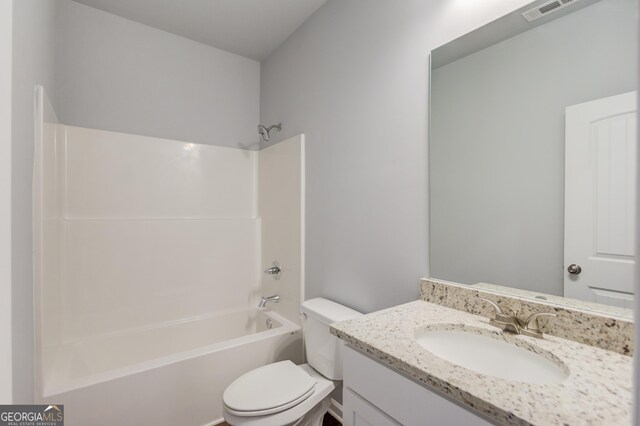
[283, 393]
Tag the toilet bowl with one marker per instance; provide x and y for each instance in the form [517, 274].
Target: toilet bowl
[283, 393]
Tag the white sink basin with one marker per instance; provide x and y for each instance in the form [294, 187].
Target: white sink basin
[491, 357]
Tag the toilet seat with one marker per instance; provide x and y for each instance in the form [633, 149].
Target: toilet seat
[272, 410]
[269, 389]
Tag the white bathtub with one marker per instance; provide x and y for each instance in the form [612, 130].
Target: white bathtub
[172, 374]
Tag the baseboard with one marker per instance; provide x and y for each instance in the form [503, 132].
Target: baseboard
[335, 409]
[215, 422]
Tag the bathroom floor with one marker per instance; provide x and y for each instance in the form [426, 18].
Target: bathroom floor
[327, 421]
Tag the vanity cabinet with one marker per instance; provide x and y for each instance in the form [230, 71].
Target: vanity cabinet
[357, 411]
[376, 395]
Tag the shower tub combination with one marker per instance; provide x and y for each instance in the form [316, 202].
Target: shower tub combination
[147, 264]
[172, 374]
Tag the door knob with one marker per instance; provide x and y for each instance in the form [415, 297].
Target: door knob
[574, 269]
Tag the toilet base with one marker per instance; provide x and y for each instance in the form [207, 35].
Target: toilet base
[316, 415]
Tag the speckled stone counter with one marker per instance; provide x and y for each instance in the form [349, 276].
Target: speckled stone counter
[615, 311]
[604, 330]
[597, 391]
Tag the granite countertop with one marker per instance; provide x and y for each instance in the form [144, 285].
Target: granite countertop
[598, 390]
[616, 311]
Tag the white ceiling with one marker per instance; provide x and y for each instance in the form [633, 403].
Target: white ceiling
[250, 28]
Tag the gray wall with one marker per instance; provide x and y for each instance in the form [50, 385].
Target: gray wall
[353, 78]
[636, 336]
[33, 63]
[119, 75]
[6, 38]
[497, 144]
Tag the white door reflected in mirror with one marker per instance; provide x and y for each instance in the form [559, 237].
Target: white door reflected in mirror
[600, 200]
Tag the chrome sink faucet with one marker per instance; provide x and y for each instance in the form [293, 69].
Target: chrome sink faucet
[263, 302]
[511, 323]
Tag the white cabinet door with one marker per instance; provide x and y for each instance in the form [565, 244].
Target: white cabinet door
[395, 398]
[600, 192]
[358, 412]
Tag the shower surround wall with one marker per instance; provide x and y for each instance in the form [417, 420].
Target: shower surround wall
[46, 235]
[281, 184]
[147, 231]
[154, 231]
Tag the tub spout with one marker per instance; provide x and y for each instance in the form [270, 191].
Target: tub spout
[263, 302]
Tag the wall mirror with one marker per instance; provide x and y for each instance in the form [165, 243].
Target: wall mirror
[532, 154]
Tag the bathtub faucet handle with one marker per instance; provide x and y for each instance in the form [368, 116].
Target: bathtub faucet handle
[274, 270]
[263, 302]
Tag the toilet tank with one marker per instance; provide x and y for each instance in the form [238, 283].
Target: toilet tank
[324, 350]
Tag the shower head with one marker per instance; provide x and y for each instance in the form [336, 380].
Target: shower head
[265, 131]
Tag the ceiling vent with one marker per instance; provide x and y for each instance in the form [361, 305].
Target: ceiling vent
[547, 8]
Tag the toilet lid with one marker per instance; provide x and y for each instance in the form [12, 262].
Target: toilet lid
[274, 387]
